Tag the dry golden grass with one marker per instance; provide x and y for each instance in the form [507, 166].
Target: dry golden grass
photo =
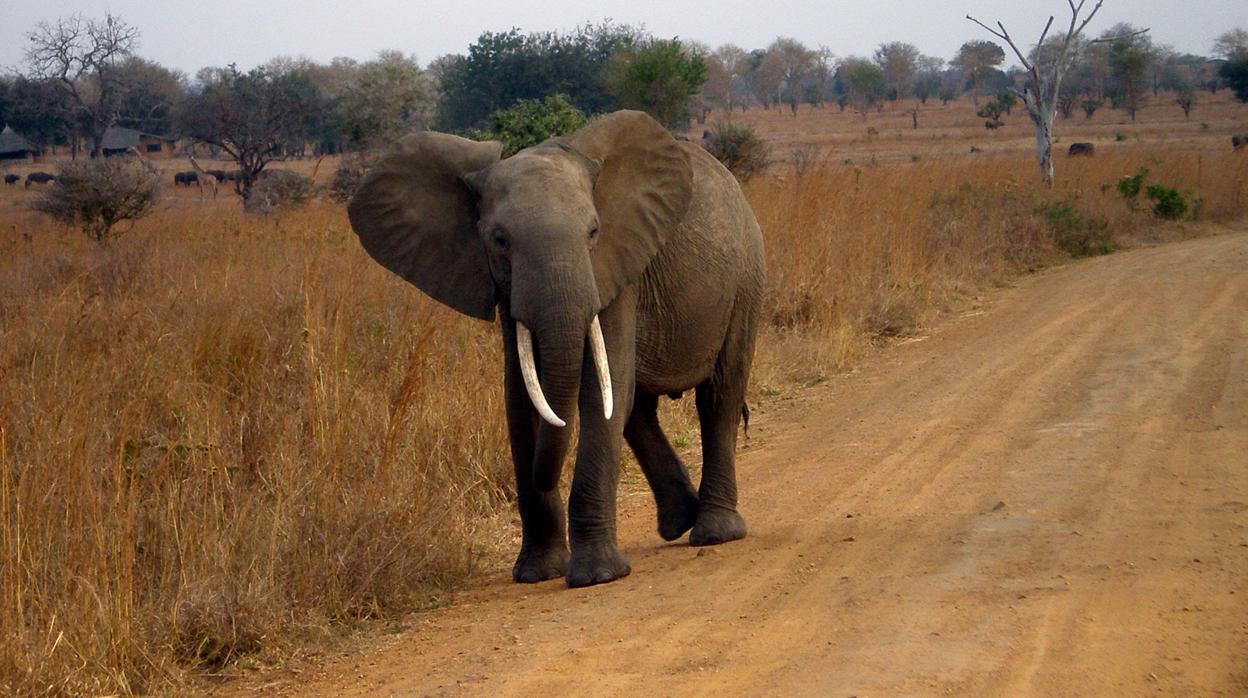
[224, 435]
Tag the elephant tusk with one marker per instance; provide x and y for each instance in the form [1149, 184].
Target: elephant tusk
[599, 348]
[524, 344]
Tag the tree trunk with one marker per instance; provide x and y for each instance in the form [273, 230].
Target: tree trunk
[1042, 116]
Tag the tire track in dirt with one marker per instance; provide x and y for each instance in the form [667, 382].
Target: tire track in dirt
[1048, 497]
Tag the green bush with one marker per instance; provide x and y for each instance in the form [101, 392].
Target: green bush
[1129, 187]
[1074, 232]
[1168, 204]
[740, 148]
[529, 122]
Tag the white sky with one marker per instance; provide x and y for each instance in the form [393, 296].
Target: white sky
[190, 35]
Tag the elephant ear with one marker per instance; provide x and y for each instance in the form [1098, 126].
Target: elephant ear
[415, 215]
[642, 191]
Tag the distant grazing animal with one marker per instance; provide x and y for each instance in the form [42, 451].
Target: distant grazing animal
[1240, 142]
[993, 124]
[11, 179]
[185, 178]
[39, 178]
[1086, 150]
[220, 175]
[976, 149]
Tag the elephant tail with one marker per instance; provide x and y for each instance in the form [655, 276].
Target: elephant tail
[745, 420]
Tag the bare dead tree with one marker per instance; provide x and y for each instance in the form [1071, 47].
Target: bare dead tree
[82, 56]
[1041, 96]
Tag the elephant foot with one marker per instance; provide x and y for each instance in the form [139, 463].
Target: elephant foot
[597, 565]
[533, 566]
[678, 515]
[717, 525]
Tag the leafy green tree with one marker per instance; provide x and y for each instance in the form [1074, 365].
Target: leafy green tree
[530, 121]
[1235, 73]
[658, 77]
[502, 67]
[864, 83]
[979, 59]
[254, 117]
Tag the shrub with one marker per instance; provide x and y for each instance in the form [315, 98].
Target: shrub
[278, 189]
[1074, 232]
[96, 195]
[740, 148]
[1129, 187]
[529, 122]
[1168, 204]
[350, 175]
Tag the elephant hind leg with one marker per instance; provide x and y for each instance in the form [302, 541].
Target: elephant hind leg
[673, 493]
[721, 407]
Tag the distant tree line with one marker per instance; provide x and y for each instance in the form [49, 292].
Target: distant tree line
[84, 75]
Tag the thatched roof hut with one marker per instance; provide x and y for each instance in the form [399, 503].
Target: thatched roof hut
[15, 147]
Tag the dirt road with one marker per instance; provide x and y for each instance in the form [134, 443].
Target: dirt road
[1048, 496]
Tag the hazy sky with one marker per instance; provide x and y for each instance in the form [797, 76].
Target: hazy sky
[190, 35]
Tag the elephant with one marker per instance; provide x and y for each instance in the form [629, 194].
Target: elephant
[1081, 149]
[622, 265]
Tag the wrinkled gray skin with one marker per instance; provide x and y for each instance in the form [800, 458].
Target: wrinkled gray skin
[621, 221]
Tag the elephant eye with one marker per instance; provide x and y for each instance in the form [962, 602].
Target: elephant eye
[593, 232]
[501, 242]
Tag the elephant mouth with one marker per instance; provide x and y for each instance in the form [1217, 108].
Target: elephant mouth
[533, 386]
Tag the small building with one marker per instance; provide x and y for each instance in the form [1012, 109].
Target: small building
[14, 147]
[119, 141]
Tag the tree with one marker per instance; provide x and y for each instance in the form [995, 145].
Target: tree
[41, 111]
[254, 117]
[501, 68]
[1040, 97]
[1130, 54]
[83, 57]
[864, 83]
[898, 60]
[529, 122]
[929, 78]
[978, 59]
[658, 77]
[1235, 73]
[1231, 45]
[97, 195]
[732, 62]
[765, 77]
[149, 92]
[794, 64]
[384, 99]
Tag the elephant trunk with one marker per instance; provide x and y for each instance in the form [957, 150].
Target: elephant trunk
[561, 357]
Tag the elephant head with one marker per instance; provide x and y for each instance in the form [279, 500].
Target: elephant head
[550, 235]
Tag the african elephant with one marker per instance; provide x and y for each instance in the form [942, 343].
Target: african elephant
[624, 265]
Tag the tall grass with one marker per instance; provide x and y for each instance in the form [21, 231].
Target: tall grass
[225, 434]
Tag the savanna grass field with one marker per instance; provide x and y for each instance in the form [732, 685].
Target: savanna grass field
[227, 438]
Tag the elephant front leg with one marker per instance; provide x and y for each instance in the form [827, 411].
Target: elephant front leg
[674, 497]
[596, 557]
[543, 550]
